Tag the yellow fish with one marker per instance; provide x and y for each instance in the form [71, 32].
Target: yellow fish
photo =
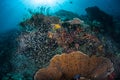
[57, 26]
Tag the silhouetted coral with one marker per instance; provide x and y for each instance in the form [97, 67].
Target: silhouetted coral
[94, 13]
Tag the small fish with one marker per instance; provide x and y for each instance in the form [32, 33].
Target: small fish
[56, 26]
[77, 77]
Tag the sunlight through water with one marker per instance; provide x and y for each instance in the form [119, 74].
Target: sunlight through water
[47, 3]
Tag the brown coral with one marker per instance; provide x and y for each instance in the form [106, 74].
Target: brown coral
[66, 66]
[50, 73]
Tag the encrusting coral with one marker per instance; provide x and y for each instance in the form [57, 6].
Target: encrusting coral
[66, 66]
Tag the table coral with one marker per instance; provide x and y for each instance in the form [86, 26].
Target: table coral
[69, 65]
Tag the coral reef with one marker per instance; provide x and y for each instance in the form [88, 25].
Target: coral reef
[35, 44]
[50, 36]
[68, 65]
[103, 23]
[39, 21]
[73, 36]
[42, 36]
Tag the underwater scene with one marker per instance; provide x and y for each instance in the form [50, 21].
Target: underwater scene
[60, 40]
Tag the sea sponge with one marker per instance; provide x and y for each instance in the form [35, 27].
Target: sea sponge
[69, 65]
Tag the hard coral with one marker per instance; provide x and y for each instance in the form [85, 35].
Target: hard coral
[51, 73]
[69, 65]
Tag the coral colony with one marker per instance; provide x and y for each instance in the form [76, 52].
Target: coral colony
[66, 66]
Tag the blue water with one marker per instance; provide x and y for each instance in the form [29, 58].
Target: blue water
[13, 11]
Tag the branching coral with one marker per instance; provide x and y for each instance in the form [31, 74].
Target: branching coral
[35, 44]
[69, 65]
